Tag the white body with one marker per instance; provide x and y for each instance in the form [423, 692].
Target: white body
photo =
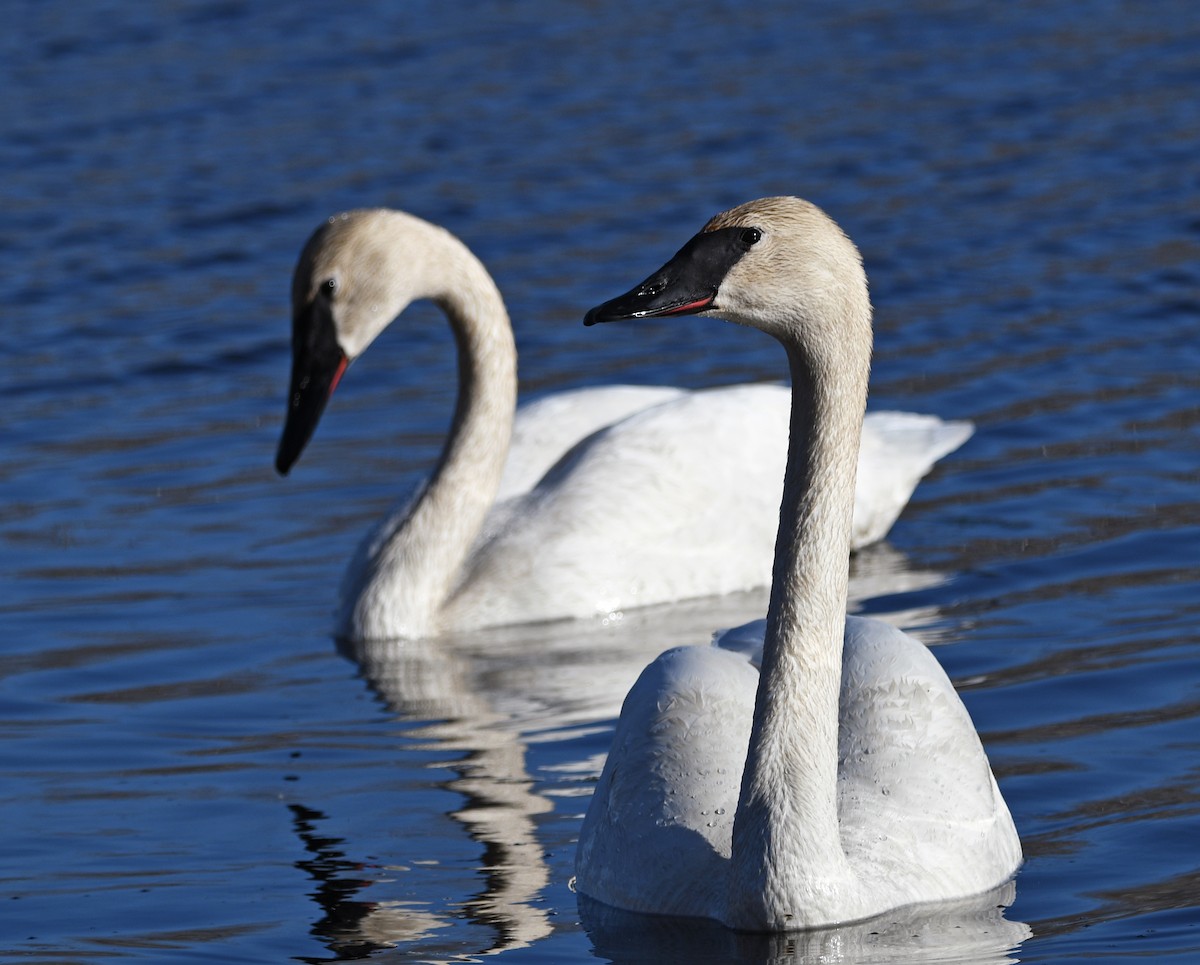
[920, 818]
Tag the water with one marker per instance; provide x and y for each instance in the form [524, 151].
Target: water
[192, 771]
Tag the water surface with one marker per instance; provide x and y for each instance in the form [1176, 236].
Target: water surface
[193, 770]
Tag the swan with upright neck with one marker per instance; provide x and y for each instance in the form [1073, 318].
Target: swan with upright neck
[594, 501]
[841, 777]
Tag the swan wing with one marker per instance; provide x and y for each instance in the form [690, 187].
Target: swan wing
[913, 777]
[920, 816]
[677, 501]
[897, 450]
[657, 833]
[546, 428]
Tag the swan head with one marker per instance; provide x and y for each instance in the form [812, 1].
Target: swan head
[357, 272]
[776, 264]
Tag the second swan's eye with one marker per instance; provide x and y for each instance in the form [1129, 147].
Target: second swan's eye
[329, 287]
[750, 236]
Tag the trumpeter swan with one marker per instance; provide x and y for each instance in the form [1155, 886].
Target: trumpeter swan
[844, 777]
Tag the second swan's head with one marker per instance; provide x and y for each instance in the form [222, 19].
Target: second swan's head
[357, 272]
[777, 264]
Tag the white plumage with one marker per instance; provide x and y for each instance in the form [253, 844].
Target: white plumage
[919, 814]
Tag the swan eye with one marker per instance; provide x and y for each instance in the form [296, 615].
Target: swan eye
[751, 236]
[329, 287]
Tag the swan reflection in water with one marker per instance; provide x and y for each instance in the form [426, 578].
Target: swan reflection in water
[481, 696]
[351, 927]
[972, 932]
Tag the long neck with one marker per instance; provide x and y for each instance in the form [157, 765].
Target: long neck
[415, 569]
[787, 857]
[464, 484]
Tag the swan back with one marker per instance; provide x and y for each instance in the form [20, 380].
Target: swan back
[675, 501]
[920, 818]
[545, 430]
[656, 837]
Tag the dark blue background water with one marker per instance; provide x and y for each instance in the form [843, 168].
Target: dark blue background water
[189, 770]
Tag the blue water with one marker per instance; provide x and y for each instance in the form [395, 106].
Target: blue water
[190, 770]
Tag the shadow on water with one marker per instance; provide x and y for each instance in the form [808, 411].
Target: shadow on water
[974, 932]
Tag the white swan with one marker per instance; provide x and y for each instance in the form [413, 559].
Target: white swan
[609, 498]
[845, 779]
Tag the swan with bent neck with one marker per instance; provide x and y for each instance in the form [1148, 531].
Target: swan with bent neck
[842, 778]
[594, 501]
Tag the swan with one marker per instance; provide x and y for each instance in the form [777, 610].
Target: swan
[593, 501]
[813, 769]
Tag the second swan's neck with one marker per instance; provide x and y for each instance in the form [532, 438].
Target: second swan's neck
[787, 859]
[416, 561]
